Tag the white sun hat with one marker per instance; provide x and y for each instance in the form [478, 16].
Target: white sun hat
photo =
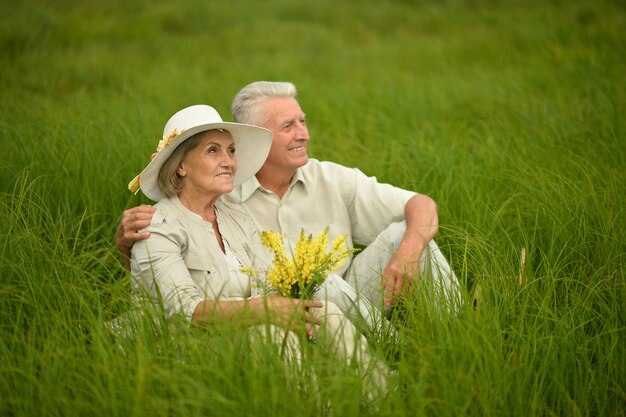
[252, 144]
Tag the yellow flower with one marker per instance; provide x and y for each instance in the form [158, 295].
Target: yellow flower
[248, 271]
[301, 275]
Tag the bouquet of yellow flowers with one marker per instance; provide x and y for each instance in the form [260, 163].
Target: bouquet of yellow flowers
[301, 275]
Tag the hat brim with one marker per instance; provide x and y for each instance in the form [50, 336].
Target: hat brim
[252, 143]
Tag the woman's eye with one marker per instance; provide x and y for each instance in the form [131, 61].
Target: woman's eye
[212, 149]
[232, 150]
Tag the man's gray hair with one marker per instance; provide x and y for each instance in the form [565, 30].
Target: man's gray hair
[247, 104]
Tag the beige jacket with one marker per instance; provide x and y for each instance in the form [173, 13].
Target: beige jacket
[182, 264]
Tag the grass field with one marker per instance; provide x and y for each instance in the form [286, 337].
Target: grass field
[509, 114]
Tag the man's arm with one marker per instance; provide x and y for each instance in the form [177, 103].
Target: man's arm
[127, 234]
[422, 224]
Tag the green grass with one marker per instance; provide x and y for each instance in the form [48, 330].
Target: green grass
[509, 114]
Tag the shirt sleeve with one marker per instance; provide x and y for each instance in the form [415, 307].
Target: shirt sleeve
[372, 205]
[158, 264]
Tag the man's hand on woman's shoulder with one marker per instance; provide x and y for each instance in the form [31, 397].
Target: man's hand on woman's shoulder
[133, 220]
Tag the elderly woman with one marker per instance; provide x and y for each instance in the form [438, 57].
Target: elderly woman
[191, 263]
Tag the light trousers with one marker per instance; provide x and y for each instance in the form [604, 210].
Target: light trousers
[360, 296]
[366, 270]
[339, 337]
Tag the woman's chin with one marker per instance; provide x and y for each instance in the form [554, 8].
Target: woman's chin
[228, 188]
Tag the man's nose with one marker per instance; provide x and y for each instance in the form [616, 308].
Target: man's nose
[303, 132]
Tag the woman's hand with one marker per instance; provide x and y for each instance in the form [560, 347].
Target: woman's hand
[292, 313]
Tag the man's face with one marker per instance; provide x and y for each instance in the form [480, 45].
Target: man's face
[290, 136]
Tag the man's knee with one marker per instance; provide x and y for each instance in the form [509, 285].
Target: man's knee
[392, 235]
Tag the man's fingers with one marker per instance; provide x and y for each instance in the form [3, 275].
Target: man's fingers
[141, 216]
[392, 287]
[311, 318]
[135, 219]
[136, 235]
[312, 303]
[138, 213]
[310, 332]
[146, 208]
[134, 226]
[399, 284]
[138, 224]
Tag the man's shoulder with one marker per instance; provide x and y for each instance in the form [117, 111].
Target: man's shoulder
[315, 167]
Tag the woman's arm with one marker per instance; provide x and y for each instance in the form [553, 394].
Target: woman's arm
[291, 314]
[160, 265]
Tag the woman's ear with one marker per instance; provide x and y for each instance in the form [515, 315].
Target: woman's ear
[181, 171]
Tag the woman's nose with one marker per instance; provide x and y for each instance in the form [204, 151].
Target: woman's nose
[228, 159]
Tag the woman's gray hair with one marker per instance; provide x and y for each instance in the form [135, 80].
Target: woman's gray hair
[169, 181]
[246, 107]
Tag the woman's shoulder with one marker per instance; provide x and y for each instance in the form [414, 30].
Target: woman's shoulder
[165, 217]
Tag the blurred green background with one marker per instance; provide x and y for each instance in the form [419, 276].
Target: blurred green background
[508, 113]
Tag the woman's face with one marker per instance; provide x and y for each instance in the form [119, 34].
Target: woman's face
[210, 167]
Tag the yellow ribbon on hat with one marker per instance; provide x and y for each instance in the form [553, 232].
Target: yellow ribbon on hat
[133, 185]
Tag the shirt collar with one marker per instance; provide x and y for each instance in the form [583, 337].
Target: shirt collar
[250, 186]
[298, 177]
[195, 217]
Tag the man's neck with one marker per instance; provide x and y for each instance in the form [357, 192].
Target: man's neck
[277, 181]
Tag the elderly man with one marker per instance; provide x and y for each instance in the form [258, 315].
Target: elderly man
[293, 192]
